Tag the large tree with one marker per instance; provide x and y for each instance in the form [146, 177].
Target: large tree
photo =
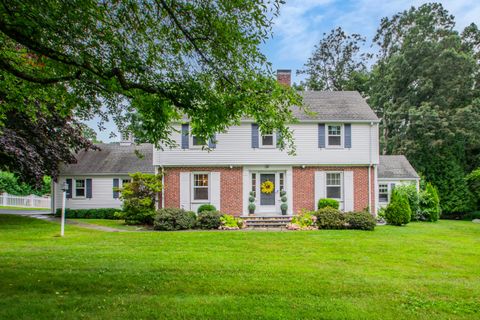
[337, 63]
[425, 89]
[147, 63]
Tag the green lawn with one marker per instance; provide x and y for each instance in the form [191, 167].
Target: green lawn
[23, 208]
[422, 271]
[118, 224]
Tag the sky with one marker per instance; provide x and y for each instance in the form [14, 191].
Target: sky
[302, 23]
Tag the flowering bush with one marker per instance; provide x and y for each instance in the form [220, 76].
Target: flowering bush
[305, 220]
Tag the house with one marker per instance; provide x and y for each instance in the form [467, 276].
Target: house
[91, 180]
[337, 156]
[394, 171]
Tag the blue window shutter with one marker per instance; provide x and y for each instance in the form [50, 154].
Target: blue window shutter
[115, 185]
[212, 143]
[348, 135]
[321, 135]
[89, 188]
[279, 140]
[185, 136]
[254, 135]
[69, 190]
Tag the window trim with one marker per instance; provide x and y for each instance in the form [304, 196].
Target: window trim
[74, 187]
[274, 141]
[388, 192]
[341, 185]
[192, 188]
[342, 136]
[196, 146]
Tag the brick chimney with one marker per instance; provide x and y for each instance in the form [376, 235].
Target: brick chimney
[284, 77]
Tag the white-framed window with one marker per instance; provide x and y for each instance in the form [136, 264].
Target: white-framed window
[200, 185]
[79, 187]
[254, 184]
[383, 194]
[124, 181]
[334, 135]
[281, 182]
[267, 140]
[197, 142]
[334, 185]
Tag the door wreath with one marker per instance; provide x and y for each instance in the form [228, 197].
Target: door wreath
[267, 187]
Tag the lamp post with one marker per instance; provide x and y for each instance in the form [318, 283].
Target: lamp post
[64, 197]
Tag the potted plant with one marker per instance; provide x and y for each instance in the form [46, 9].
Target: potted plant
[284, 205]
[251, 204]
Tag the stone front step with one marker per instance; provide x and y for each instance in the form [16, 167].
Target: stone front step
[267, 222]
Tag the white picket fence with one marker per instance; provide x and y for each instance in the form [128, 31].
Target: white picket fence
[31, 201]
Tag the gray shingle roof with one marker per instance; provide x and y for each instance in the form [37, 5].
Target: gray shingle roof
[335, 105]
[112, 159]
[395, 167]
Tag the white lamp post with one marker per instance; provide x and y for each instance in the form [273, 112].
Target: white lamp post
[64, 197]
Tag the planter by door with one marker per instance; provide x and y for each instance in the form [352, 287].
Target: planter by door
[267, 199]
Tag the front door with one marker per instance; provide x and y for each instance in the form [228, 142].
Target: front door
[267, 198]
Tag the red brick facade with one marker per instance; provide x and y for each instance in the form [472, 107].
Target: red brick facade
[231, 186]
[304, 187]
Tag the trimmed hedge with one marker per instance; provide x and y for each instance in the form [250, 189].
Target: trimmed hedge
[398, 211]
[100, 213]
[206, 207]
[171, 219]
[209, 220]
[330, 218]
[360, 221]
[323, 203]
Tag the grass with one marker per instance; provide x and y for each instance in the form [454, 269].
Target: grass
[421, 271]
[23, 208]
[117, 224]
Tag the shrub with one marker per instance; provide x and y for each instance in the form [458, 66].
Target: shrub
[360, 220]
[429, 208]
[206, 207]
[170, 219]
[398, 210]
[473, 182]
[305, 220]
[330, 218]
[229, 222]
[323, 203]
[139, 198]
[100, 213]
[410, 192]
[208, 220]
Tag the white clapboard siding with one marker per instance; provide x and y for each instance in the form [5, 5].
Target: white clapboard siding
[348, 194]
[320, 189]
[234, 148]
[185, 190]
[215, 189]
[102, 193]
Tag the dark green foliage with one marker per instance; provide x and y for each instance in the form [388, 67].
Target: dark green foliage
[410, 192]
[429, 209]
[206, 207]
[360, 221]
[330, 218]
[323, 203]
[461, 216]
[100, 213]
[209, 220]
[473, 181]
[139, 198]
[11, 184]
[398, 211]
[171, 219]
[472, 215]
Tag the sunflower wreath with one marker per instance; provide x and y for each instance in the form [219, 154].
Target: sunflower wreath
[267, 187]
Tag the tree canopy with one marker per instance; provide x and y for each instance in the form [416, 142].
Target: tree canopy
[147, 63]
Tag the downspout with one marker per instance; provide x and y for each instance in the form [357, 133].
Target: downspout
[370, 170]
[163, 189]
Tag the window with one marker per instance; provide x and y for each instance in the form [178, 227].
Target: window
[335, 135]
[334, 185]
[124, 181]
[281, 183]
[268, 140]
[254, 184]
[80, 188]
[383, 192]
[200, 186]
[197, 142]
